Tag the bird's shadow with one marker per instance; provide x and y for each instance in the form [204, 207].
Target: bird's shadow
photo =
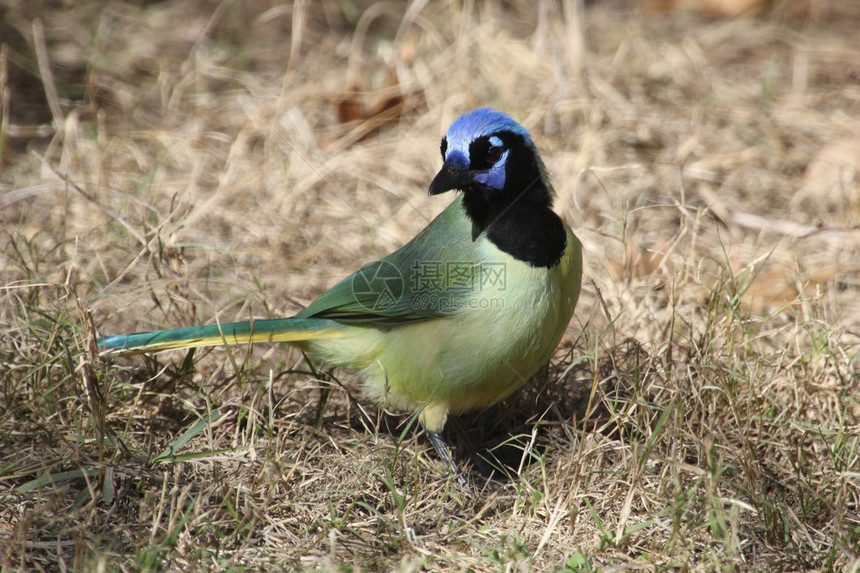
[502, 440]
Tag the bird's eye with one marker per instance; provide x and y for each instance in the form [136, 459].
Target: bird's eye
[484, 152]
[494, 154]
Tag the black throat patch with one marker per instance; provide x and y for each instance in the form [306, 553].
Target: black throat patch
[518, 219]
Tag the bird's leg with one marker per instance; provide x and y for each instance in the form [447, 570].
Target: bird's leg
[432, 418]
[444, 452]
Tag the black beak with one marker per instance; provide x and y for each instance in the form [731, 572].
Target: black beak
[453, 175]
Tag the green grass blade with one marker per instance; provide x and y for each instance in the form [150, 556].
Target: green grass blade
[189, 435]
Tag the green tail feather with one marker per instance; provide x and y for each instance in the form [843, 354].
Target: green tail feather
[276, 330]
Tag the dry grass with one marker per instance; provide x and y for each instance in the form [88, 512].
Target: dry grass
[702, 414]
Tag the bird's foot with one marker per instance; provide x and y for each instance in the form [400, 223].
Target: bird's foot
[466, 482]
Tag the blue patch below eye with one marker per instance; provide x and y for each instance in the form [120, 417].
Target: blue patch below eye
[495, 177]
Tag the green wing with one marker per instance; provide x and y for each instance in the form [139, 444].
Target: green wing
[411, 284]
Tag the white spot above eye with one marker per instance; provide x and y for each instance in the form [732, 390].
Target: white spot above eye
[495, 141]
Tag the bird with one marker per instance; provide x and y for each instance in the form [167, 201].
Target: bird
[459, 317]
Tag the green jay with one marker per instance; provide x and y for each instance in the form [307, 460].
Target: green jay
[460, 316]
